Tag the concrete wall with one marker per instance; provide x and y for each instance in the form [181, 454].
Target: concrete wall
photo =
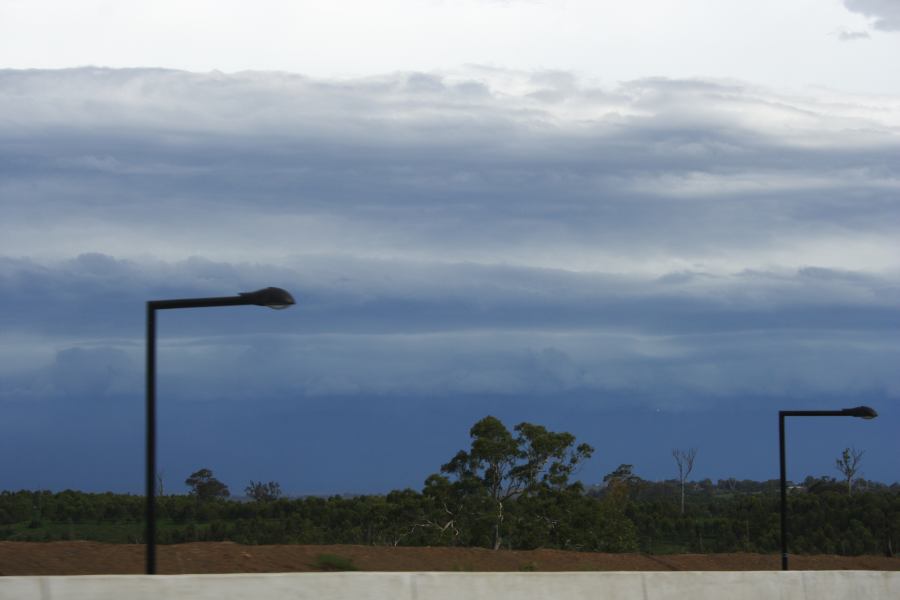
[731, 585]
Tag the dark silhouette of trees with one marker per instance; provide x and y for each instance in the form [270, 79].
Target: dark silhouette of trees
[500, 466]
[511, 489]
[622, 474]
[829, 522]
[848, 465]
[206, 487]
[684, 459]
[263, 492]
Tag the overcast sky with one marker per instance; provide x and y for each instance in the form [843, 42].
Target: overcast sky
[789, 43]
[652, 224]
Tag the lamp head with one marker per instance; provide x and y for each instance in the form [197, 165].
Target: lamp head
[272, 297]
[863, 412]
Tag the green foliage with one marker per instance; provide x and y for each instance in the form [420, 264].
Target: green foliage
[333, 562]
[510, 489]
[499, 468]
[615, 531]
[263, 492]
[642, 516]
[206, 487]
[622, 474]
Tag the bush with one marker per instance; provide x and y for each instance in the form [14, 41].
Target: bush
[333, 562]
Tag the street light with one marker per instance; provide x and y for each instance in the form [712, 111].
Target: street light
[271, 297]
[862, 412]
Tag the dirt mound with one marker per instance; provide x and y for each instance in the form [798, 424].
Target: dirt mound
[83, 558]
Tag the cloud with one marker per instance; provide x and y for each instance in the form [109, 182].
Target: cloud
[402, 329]
[885, 14]
[481, 231]
[852, 36]
[481, 165]
[93, 372]
[527, 243]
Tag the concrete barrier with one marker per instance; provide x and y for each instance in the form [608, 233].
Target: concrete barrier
[687, 585]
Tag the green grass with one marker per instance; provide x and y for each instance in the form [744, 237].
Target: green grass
[333, 562]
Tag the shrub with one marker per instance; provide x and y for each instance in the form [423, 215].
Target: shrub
[333, 562]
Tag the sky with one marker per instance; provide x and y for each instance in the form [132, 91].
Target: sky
[651, 224]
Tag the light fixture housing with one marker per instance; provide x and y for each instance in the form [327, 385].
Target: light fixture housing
[273, 297]
[863, 412]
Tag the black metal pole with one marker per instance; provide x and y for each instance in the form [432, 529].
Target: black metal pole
[862, 412]
[271, 297]
[151, 440]
[150, 475]
[784, 552]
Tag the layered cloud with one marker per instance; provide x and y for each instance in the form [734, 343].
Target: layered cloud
[486, 166]
[397, 328]
[660, 244]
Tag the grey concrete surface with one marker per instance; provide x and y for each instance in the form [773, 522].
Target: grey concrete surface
[695, 585]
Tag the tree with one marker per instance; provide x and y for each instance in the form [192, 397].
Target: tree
[622, 474]
[730, 484]
[263, 492]
[616, 532]
[206, 487]
[500, 466]
[848, 465]
[685, 461]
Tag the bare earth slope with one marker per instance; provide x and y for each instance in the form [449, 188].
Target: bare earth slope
[82, 558]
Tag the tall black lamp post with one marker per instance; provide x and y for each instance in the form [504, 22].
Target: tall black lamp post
[862, 412]
[272, 297]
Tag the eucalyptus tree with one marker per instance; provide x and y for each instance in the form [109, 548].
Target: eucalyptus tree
[848, 465]
[500, 466]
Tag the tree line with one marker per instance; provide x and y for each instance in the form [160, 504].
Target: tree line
[511, 489]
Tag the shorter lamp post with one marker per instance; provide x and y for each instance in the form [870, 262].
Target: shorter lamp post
[862, 412]
[272, 297]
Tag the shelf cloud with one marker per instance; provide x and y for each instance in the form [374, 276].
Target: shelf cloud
[662, 244]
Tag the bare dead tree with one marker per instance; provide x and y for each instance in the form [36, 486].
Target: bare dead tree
[848, 465]
[684, 459]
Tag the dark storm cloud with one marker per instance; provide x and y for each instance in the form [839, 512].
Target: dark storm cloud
[600, 259]
[98, 294]
[481, 232]
[407, 329]
[92, 372]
